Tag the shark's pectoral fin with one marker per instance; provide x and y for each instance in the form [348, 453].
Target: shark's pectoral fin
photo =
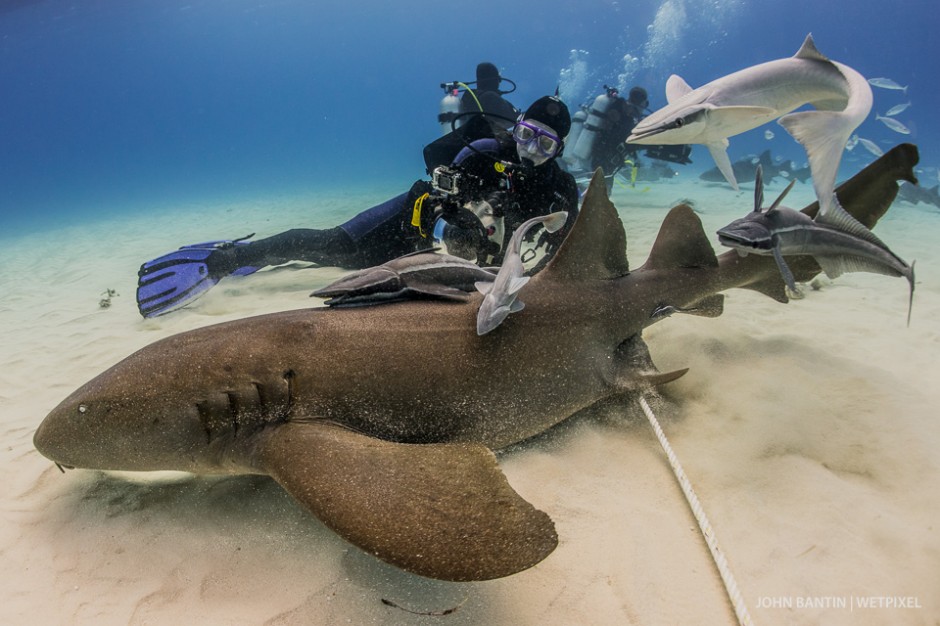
[719, 152]
[483, 287]
[443, 511]
[516, 306]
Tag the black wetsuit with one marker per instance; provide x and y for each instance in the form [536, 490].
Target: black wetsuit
[610, 147]
[385, 231]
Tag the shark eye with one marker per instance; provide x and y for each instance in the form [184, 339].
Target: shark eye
[679, 122]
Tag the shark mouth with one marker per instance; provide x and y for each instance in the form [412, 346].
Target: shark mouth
[642, 134]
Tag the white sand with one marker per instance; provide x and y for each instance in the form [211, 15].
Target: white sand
[809, 430]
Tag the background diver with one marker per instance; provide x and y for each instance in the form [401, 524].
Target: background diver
[481, 96]
[599, 133]
[505, 178]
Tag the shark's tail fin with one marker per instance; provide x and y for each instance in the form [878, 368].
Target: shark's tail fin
[823, 135]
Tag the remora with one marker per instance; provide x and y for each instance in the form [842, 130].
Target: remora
[837, 241]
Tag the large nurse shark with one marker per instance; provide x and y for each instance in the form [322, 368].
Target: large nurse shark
[382, 420]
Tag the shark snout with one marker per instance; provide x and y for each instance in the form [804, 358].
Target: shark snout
[639, 134]
[119, 433]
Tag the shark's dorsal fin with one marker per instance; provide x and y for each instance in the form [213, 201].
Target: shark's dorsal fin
[596, 247]
[681, 242]
[808, 50]
[676, 87]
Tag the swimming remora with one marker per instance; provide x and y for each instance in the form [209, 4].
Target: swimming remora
[837, 241]
[383, 427]
[759, 94]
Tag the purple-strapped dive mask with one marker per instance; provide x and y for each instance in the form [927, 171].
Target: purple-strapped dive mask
[525, 133]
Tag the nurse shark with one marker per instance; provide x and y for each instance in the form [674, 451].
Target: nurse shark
[382, 420]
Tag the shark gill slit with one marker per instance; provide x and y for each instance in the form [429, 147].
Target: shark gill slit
[289, 405]
[227, 413]
[233, 411]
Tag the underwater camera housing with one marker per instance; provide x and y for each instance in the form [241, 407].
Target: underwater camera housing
[446, 180]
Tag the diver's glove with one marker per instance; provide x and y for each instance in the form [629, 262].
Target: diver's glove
[176, 279]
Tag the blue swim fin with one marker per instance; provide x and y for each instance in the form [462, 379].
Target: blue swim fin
[176, 279]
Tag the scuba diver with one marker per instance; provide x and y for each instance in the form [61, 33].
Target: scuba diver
[484, 185]
[599, 134]
[485, 97]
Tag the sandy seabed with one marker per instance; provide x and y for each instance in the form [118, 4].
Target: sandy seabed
[810, 432]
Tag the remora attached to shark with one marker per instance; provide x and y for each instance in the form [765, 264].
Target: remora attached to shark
[759, 94]
[383, 427]
[500, 297]
[424, 273]
[836, 240]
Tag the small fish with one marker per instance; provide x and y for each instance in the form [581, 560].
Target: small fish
[893, 124]
[871, 146]
[768, 135]
[851, 143]
[886, 83]
[898, 108]
[500, 295]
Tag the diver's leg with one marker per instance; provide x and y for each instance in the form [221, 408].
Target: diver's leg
[383, 232]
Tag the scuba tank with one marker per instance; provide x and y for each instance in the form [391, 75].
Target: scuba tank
[450, 107]
[595, 123]
[577, 126]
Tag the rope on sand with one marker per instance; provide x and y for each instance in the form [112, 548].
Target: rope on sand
[734, 594]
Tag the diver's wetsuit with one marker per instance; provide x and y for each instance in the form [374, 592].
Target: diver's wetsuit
[384, 232]
[610, 147]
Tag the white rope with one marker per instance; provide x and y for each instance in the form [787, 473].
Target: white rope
[734, 594]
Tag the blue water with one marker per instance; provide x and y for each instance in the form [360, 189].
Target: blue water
[115, 106]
